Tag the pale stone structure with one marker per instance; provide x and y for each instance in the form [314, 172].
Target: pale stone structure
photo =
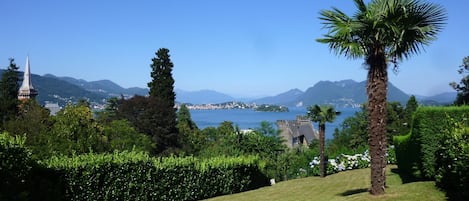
[27, 90]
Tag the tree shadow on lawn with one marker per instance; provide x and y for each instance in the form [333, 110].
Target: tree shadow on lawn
[407, 177]
[354, 191]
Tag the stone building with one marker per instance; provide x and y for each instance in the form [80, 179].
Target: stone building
[27, 90]
[298, 132]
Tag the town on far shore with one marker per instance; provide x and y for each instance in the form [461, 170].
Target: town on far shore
[235, 105]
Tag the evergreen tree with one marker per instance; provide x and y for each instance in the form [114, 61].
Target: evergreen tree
[162, 84]
[192, 139]
[161, 87]
[9, 87]
[109, 113]
[184, 120]
[463, 87]
[410, 108]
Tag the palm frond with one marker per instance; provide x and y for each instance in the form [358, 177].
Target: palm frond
[321, 114]
[400, 27]
[341, 35]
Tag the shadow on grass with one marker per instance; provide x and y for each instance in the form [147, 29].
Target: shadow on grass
[405, 177]
[354, 191]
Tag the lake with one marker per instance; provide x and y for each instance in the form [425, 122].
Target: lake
[247, 119]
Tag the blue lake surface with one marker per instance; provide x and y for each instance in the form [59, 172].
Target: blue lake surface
[247, 119]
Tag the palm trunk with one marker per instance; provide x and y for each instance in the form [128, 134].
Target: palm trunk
[322, 165]
[377, 92]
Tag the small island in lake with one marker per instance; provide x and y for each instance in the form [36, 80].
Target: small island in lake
[271, 108]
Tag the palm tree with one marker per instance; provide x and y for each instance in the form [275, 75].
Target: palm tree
[381, 32]
[322, 114]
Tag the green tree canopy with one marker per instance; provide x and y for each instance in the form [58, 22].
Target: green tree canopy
[192, 139]
[34, 122]
[165, 135]
[463, 87]
[122, 136]
[149, 115]
[162, 83]
[9, 86]
[75, 131]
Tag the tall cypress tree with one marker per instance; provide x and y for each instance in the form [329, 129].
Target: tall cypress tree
[162, 84]
[9, 87]
[165, 133]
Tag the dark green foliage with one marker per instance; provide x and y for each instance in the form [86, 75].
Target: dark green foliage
[411, 106]
[352, 134]
[153, 117]
[121, 136]
[192, 140]
[162, 84]
[34, 122]
[452, 163]
[272, 108]
[159, 115]
[416, 151]
[265, 142]
[15, 167]
[136, 176]
[396, 124]
[9, 86]
[463, 87]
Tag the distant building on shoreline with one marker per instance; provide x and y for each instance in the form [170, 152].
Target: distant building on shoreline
[299, 132]
[53, 107]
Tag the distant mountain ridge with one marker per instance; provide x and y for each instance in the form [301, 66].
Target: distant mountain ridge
[105, 87]
[345, 93]
[283, 98]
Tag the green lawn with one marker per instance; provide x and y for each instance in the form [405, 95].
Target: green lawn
[349, 185]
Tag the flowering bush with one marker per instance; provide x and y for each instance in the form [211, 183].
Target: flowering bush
[345, 162]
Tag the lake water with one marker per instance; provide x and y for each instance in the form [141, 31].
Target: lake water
[247, 119]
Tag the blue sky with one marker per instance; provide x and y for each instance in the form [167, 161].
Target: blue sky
[245, 48]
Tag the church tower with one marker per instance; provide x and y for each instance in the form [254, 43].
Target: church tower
[27, 90]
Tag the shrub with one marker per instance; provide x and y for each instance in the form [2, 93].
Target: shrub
[416, 151]
[452, 164]
[136, 176]
[15, 167]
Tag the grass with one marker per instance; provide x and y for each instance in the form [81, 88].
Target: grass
[348, 185]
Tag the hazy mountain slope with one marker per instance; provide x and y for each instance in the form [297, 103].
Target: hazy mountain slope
[283, 98]
[55, 90]
[344, 93]
[202, 97]
[106, 87]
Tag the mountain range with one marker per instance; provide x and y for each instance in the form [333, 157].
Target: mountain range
[345, 93]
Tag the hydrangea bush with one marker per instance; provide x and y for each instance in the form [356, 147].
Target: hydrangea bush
[345, 162]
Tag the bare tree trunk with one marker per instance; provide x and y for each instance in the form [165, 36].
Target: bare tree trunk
[377, 92]
[322, 165]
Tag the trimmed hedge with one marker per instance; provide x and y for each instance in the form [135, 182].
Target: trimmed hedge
[15, 166]
[136, 176]
[415, 151]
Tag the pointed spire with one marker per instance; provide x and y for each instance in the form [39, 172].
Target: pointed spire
[27, 90]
